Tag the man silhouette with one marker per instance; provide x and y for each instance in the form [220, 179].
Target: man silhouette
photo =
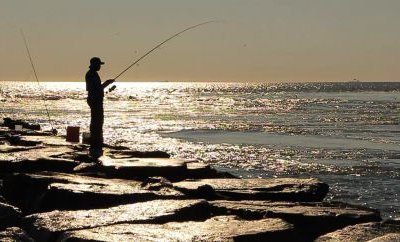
[95, 90]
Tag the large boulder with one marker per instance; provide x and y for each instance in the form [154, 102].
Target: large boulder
[47, 191]
[382, 231]
[49, 226]
[310, 219]
[223, 228]
[282, 189]
[15, 234]
[9, 215]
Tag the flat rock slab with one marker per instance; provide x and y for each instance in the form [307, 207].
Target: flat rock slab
[172, 169]
[10, 123]
[391, 237]
[9, 215]
[114, 152]
[5, 148]
[49, 226]
[36, 162]
[46, 191]
[32, 154]
[282, 189]
[15, 234]
[24, 132]
[197, 170]
[310, 219]
[222, 228]
[138, 154]
[384, 231]
[18, 140]
[50, 140]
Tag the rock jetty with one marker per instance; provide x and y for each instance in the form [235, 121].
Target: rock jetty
[50, 190]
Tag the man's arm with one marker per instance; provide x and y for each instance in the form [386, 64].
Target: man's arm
[107, 83]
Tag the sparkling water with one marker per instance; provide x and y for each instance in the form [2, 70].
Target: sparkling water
[346, 134]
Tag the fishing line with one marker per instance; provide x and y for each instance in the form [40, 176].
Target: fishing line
[160, 44]
[54, 131]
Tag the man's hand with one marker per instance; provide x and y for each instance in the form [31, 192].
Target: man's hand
[108, 82]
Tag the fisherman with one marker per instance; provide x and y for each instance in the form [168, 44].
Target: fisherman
[95, 90]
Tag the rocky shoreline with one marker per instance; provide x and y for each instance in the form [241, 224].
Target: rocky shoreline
[50, 190]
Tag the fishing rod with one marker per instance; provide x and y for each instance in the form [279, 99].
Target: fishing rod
[53, 130]
[160, 44]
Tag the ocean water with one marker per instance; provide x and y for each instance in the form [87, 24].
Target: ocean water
[346, 134]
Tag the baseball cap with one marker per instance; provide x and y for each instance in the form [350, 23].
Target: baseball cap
[96, 61]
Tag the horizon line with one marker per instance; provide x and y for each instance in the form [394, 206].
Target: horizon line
[226, 81]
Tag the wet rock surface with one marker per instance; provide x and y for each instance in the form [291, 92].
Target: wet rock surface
[9, 215]
[305, 216]
[223, 228]
[47, 191]
[15, 234]
[196, 170]
[283, 189]
[125, 153]
[6, 148]
[33, 153]
[37, 164]
[392, 237]
[129, 168]
[49, 226]
[48, 140]
[57, 192]
[17, 140]
[383, 231]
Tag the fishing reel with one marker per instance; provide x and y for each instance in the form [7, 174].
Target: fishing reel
[111, 89]
[54, 131]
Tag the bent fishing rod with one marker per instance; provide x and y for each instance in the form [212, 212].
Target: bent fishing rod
[159, 45]
[53, 130]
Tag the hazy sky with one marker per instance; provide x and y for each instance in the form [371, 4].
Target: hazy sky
[266, 40]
